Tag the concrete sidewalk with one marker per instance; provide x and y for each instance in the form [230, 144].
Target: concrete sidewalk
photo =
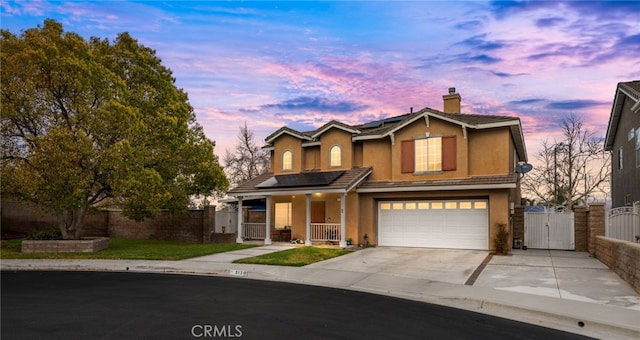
[590, 319]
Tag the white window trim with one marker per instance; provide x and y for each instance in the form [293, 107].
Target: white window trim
[415, 155]
[283, 165]
[619, 158]
[331, 156]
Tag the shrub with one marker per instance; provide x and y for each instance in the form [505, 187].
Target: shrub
[366, 243]
[50, 234]
[501, 240]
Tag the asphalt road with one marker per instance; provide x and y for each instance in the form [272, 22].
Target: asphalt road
[88, 305]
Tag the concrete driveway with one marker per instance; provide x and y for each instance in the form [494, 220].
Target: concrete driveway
[444, 265]
[561, 274]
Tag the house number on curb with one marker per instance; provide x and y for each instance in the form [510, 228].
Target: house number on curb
[236, 272]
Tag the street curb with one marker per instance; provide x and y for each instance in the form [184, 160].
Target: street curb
[460, 296]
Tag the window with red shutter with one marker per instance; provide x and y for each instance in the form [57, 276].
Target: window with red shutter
[449, 155]
[407, 155]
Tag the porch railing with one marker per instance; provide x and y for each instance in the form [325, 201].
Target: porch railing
[254, 231]
[325, 232]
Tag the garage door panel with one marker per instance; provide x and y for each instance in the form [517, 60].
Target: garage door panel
[459, 224]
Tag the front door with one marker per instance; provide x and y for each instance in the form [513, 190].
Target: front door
[317, 212]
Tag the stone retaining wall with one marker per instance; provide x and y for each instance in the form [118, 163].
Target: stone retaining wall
[88, 245]
[622, 257]
[220, 238]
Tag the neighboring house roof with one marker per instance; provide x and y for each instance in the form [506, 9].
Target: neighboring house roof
[630, 90]
[477, 182]
[387, 127]
[338, 182]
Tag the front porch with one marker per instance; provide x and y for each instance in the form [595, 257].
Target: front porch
[310, 206]
[291, 219]
[320, 232]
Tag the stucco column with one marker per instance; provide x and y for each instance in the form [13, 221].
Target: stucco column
[240, 221]
[343, 206]
[267, 237]
[307, 240]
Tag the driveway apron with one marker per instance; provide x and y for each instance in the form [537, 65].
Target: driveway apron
[444, 265]
[560, 274]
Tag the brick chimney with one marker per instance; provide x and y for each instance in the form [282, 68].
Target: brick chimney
[452, 101]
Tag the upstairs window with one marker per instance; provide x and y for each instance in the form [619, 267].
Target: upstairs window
[335, 156]
[287, 160]
[429, 154]
[619, 160]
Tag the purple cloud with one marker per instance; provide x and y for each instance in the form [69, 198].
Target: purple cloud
[479, 42]
[471, 25]
[576, 104]
[549, 22]
[316, 104]
[507, 75]
[527, 101]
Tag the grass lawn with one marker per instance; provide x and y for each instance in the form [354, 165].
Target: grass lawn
[296, 257]
[128, 249]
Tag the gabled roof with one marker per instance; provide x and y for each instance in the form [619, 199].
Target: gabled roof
[289, 131]
[334, 124]
[387, 127]
[631, 91]
[343, 182]
[470, 121]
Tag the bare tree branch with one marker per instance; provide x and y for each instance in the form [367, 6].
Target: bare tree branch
[570, 170]
[247, 160]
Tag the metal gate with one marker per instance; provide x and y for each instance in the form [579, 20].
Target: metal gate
[624, 223]
[549, 230]
[226, 221]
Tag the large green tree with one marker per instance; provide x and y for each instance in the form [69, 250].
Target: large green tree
[88, 120]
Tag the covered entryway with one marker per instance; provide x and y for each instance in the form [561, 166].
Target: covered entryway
[456, 224]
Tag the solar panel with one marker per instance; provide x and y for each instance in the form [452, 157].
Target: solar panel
[372, 125]
[308, 179]
[304, 179]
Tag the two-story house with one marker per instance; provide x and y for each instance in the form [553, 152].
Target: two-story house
[623, 140]
[429, 178]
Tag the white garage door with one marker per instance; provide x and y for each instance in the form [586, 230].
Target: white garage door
[460, 224]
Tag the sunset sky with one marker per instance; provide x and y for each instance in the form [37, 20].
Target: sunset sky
[301, 64]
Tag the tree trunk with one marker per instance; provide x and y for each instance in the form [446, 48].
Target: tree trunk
[73, 223]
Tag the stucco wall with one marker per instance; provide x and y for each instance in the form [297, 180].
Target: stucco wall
[489, 152]
[357, 154]
[287, 142]
[311, 158]
[418, 129]
[340, 138]
[377, 154]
